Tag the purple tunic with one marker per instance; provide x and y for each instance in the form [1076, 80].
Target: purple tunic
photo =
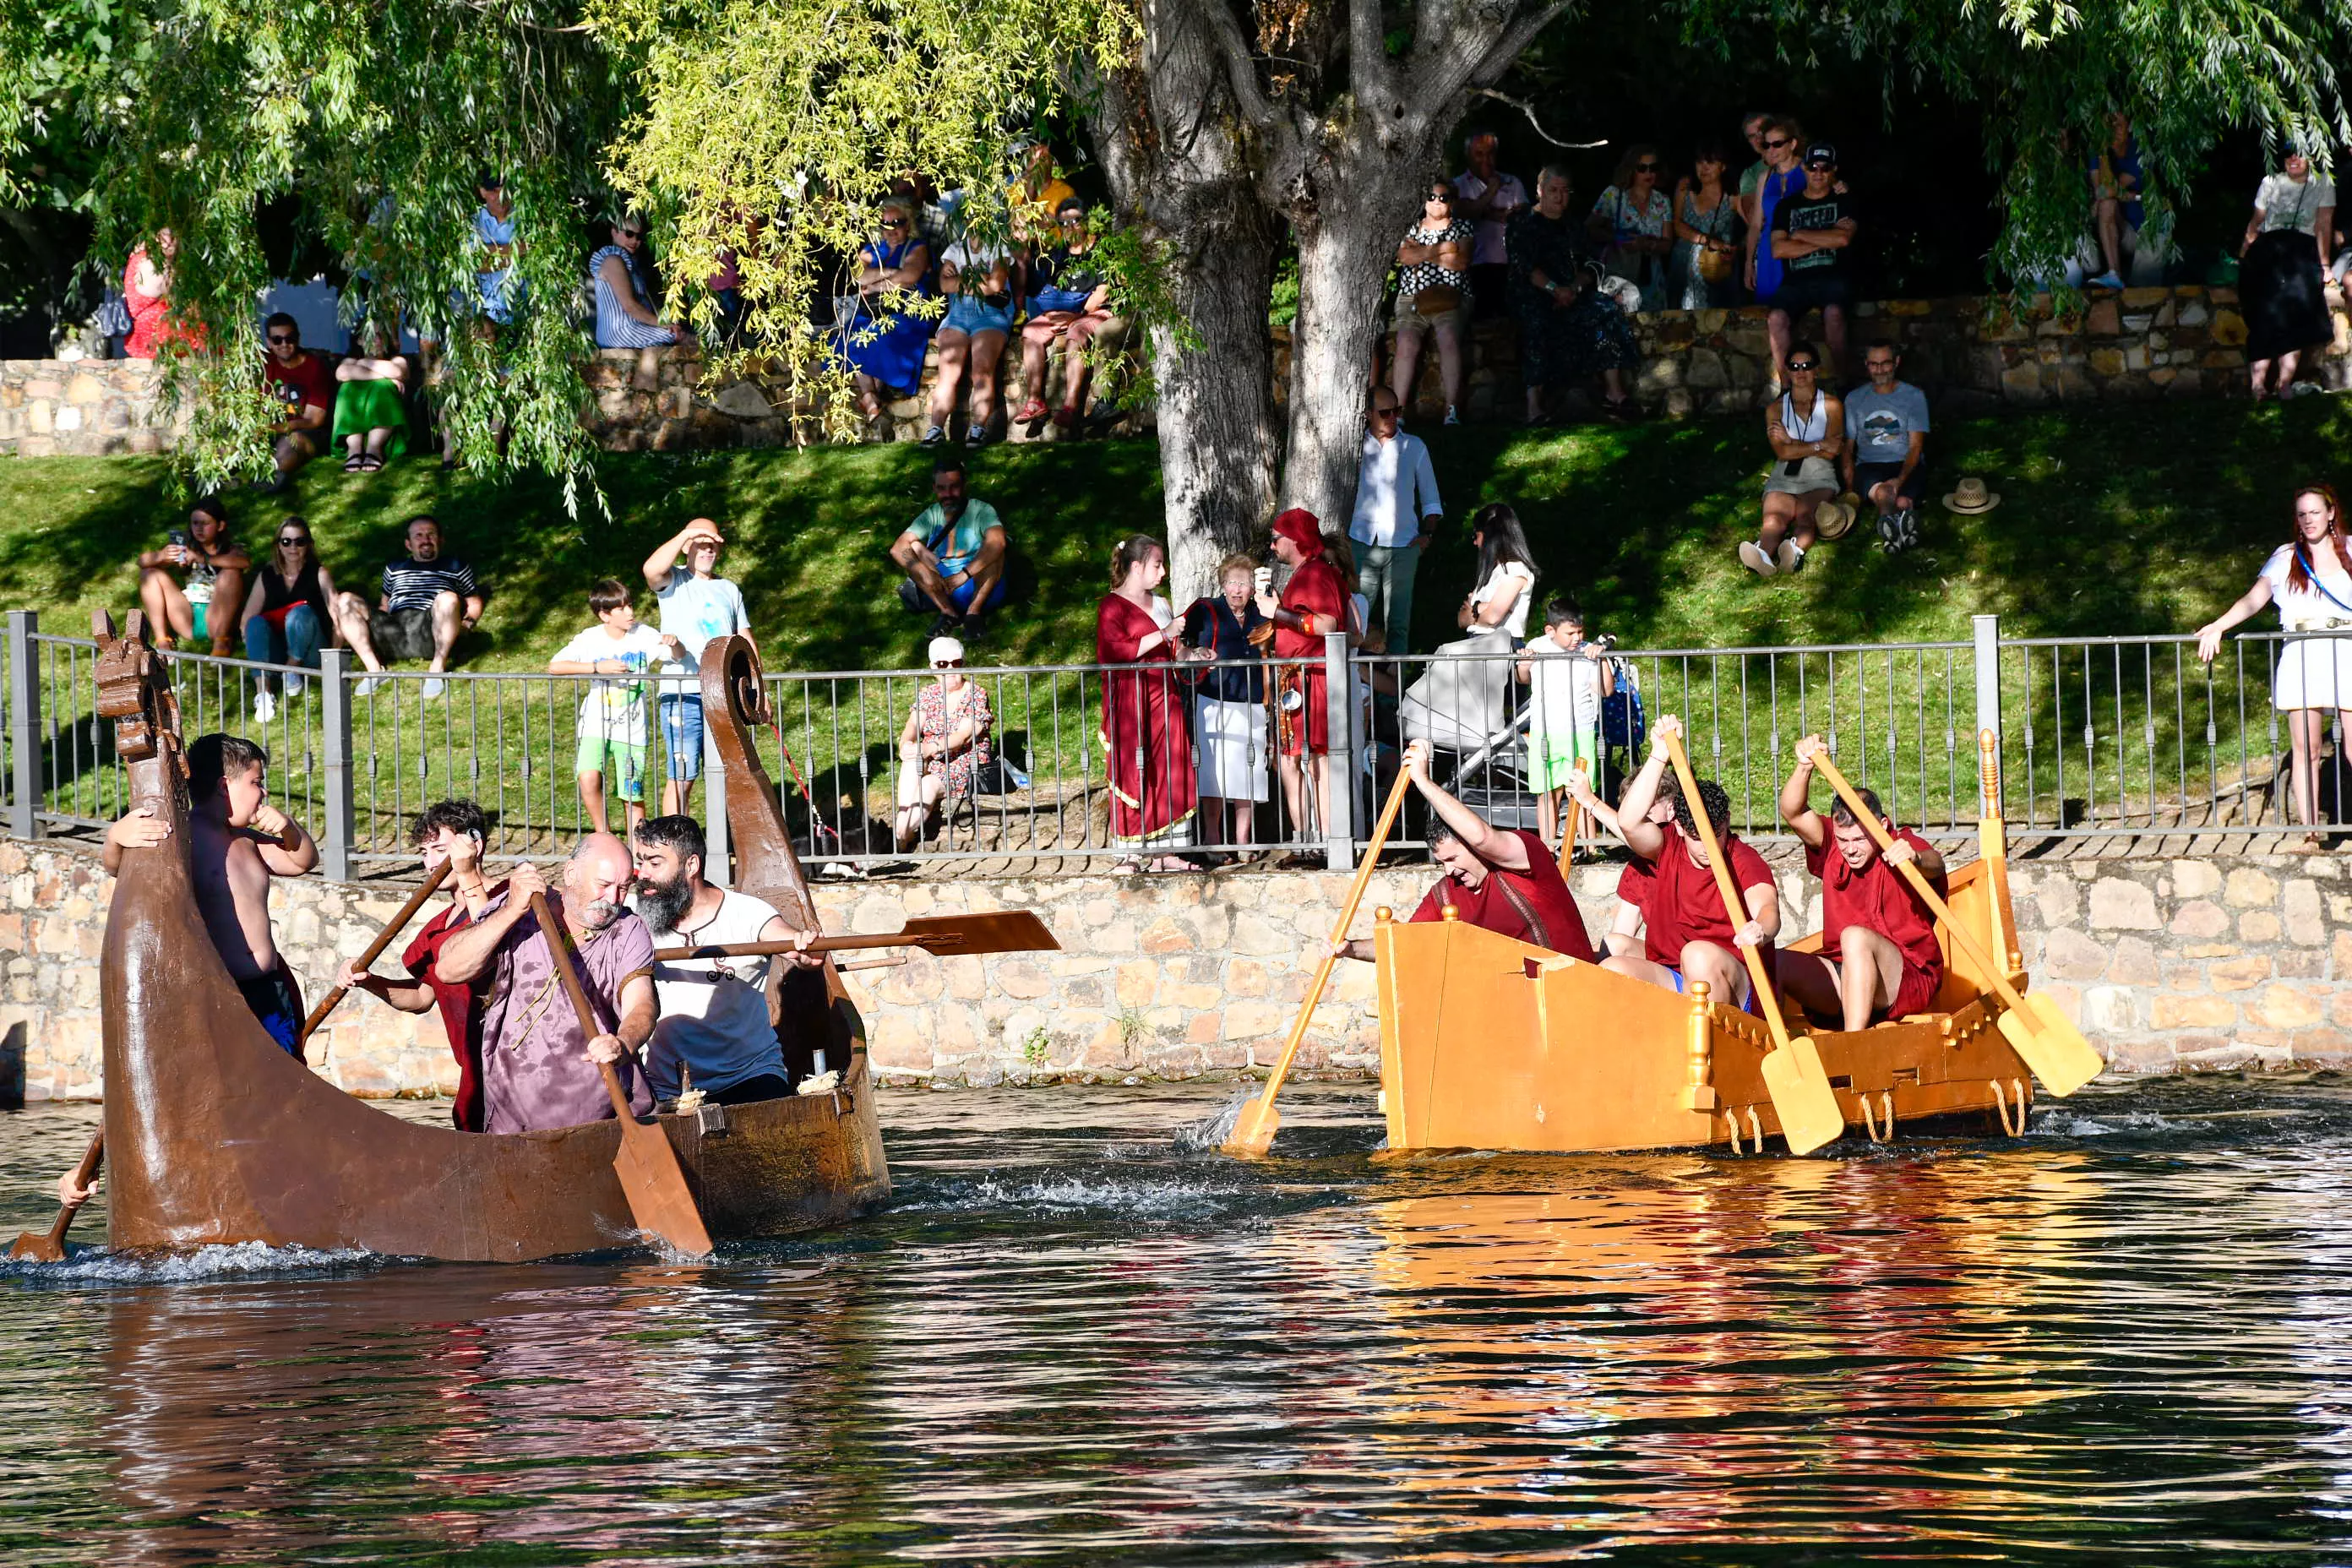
[535, 1069]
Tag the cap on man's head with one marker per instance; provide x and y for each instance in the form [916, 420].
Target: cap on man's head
[1302, 528]
[490, 180]
[1821, 152]
[946, 650]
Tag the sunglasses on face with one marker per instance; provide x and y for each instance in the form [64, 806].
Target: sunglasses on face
[284, 337]
[293, 539]
[633, 233]
[946, 664]
[1646, 168]
[894, 223]
[1778, 141]
[1820, 166]
[1800, 367]
[1384, 412]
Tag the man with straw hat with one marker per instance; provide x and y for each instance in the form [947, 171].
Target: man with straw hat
[1970, 498]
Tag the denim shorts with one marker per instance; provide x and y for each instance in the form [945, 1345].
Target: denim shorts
[967, 315]
[681, 727]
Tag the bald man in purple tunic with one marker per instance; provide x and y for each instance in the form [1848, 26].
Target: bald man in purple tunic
[539, 1070]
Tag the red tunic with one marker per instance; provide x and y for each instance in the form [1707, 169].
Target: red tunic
[1147, 740]
[461, 1015]
[1878, 897]
[1315, 589]
[1684, 905]
[1636, 882]
[1533, 906]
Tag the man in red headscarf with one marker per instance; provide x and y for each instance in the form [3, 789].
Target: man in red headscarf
[1313, 603]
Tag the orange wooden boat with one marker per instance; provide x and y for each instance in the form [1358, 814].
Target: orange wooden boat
[1489, 1043]
[215, 1135]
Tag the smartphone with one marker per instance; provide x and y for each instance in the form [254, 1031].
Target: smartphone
[1265, 579]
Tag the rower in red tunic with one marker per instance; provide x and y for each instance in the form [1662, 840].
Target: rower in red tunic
[1499, 877]
[1879, 956]
[1688, 934]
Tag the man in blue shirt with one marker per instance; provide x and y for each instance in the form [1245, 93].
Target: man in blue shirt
[953, 555]
[1887, 446]
[1397, 513]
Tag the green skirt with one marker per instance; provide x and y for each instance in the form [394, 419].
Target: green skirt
[364, 406]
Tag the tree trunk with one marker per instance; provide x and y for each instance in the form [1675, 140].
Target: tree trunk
[1178, 160]
[1345, 245]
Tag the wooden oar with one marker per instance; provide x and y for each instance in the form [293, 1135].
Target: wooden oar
[1253, 1129]
[1575, 827]
[375, 949]
[1793, 1076]
[35, 1246]
[650, 1175]
[950, 936]
[2055, 1050]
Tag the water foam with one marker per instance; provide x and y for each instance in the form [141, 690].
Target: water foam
[247, 1259]
[1211, 1132]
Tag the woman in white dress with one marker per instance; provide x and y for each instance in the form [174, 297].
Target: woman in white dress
[2309, 578]
[1506, 575]
[1229, 724]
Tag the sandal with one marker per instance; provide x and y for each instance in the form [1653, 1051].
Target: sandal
[356, 463]
[1031, 412]
[371, 463]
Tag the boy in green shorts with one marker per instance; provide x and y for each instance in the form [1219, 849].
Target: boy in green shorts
[613, 714]
[1566, 679]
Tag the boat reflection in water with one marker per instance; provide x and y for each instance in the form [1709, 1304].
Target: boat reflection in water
[1684, 1342]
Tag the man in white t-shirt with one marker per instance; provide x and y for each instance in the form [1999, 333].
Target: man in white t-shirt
[1566, 678]
[715, 1033]
[696, 605]
[613, 714]
[1489, 197]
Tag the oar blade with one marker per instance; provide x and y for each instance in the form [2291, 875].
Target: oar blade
[1004, 930]
[1802, 1096]
[656, 1184]
[1253, 1131]
[2056, 1051]
[36, 1246]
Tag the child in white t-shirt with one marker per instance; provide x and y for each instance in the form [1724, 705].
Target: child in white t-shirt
[1566, 678]
[613, 714]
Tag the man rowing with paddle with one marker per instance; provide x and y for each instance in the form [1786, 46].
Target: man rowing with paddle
[450, 831]
[715, 1033]
[538, 1065]
[1879, 956]
[1634, 882]
[1503, 878]
[1688, 933]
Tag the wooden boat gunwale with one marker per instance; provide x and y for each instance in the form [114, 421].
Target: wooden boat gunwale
[216, 1136]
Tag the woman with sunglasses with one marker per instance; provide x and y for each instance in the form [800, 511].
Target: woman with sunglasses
[944, 744]
[624, 312]
[1632, 223]
[1806, 427]
[1434, 295]
[286, 612]
[1069, 305]
[884, 343]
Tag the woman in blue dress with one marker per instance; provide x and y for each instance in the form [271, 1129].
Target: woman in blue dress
[624, 312]
[891, 355]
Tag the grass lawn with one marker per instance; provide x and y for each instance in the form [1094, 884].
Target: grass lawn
[2132, 520]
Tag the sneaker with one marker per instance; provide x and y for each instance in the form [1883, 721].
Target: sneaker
[945, 626]
[265, 706]
[1890, 531]
[935, 435]
[2105, 280]
[1752, 556]
[1906, 523]
[976, 437]
[366, 686]
[296, 685]
[975, 626]
[1451, 416]
[434, 687]
[1791, 560]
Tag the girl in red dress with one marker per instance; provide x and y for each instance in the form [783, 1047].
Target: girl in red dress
[1146, 744]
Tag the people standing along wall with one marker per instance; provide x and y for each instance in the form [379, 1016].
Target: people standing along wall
[1146, 736]
[2309, 578]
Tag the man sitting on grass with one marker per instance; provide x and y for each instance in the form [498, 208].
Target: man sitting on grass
[953, 555]
[427, 601]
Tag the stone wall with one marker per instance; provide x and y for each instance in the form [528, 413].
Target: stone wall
[1972, 355]
[2170, 966]
[90, 408]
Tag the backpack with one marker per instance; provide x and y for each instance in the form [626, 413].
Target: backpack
[1623, 721]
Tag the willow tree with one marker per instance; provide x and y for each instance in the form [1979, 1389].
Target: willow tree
[374, 120]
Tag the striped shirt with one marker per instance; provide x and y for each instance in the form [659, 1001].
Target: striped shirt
[413, 585]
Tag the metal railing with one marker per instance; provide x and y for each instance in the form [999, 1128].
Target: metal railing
[2099, 737]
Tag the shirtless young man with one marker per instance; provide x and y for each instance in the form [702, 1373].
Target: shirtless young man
[1879, 957]
[1690, 935]
[238, 842]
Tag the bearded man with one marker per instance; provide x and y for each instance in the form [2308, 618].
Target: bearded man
[538, 1068]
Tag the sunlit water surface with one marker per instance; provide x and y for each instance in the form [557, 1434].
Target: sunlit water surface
[1074, 1337]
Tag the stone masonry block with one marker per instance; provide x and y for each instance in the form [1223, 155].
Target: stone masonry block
[2249, 888]
[2117, 904]
[2168, 1012]
[2305, 927]
[2201, 919]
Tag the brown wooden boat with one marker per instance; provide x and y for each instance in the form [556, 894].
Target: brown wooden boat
[215, 1135]
[1489, 1043]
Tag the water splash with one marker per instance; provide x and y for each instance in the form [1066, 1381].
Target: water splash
[1082, 1195]
[101, 1266]
[1207, 1135]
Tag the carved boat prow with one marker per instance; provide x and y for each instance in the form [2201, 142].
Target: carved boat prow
[215, 1135]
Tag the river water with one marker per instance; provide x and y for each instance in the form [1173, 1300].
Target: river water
[1073, 1338]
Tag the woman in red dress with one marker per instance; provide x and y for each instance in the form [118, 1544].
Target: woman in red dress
[1147, 745]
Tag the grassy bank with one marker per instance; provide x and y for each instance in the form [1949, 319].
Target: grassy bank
[2113, 521]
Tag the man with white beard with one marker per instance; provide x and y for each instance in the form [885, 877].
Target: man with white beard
[539, 1070]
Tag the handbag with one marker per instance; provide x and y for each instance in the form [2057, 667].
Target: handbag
[1436, 301]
